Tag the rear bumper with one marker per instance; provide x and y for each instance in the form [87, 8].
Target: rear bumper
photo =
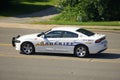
[98, 48]
[102, 50]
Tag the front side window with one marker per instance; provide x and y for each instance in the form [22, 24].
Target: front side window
[54, 34]
[67, 34]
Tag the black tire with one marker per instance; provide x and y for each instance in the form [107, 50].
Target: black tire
[27, 48]
[81, 51]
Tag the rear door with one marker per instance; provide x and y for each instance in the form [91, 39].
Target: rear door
[67, 42]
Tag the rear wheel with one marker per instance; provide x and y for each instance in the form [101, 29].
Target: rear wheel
[81, 51]
[27, 48]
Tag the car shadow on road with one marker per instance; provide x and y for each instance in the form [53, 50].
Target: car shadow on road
[105, 56]
[55, 54]
[93, 56]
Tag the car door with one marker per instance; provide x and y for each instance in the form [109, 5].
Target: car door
[51, 40]
[68, 40]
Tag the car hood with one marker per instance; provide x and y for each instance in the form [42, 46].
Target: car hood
[29, 36]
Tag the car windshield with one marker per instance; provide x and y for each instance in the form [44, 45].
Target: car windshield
[43, 33]
[85, 32]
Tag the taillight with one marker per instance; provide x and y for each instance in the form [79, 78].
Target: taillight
[99, 40]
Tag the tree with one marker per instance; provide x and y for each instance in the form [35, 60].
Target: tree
[6, 3]
[112, 11]
[90, 10]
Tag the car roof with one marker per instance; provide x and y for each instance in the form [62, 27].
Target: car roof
[73, 29]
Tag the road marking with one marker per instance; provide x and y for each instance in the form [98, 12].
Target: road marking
[60, 58]
[4, 44]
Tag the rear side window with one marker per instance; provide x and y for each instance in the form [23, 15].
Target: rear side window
[67, 34]
[85, 32]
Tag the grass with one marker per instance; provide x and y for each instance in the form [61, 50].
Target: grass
[48, 2]
[26, 7]
[114, 29]
[107, 25]
[111, 23]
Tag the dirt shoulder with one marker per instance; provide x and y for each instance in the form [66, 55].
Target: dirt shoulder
[26, 26]
[46, 27]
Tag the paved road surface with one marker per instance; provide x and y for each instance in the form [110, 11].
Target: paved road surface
[15, 66]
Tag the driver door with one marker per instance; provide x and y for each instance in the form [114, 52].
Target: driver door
[51, 39]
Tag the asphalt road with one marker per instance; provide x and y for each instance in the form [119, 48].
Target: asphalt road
[15, 66]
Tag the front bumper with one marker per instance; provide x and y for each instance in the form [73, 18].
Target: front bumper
[14, 40]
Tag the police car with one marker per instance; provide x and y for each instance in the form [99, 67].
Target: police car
[72, 40]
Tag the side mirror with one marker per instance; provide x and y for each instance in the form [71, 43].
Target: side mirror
[41, 34]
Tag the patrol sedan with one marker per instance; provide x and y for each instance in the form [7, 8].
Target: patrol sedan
[72, 40]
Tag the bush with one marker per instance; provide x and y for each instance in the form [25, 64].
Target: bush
[89, 10]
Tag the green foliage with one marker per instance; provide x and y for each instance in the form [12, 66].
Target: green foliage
[112, 11]
[89, 10]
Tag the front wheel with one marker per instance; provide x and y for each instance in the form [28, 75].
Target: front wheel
[81, 51]
[27, 48]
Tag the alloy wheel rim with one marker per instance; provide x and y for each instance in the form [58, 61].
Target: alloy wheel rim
[27, 48]
[81, 51]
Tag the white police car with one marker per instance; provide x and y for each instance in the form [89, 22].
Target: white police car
[78, 41]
